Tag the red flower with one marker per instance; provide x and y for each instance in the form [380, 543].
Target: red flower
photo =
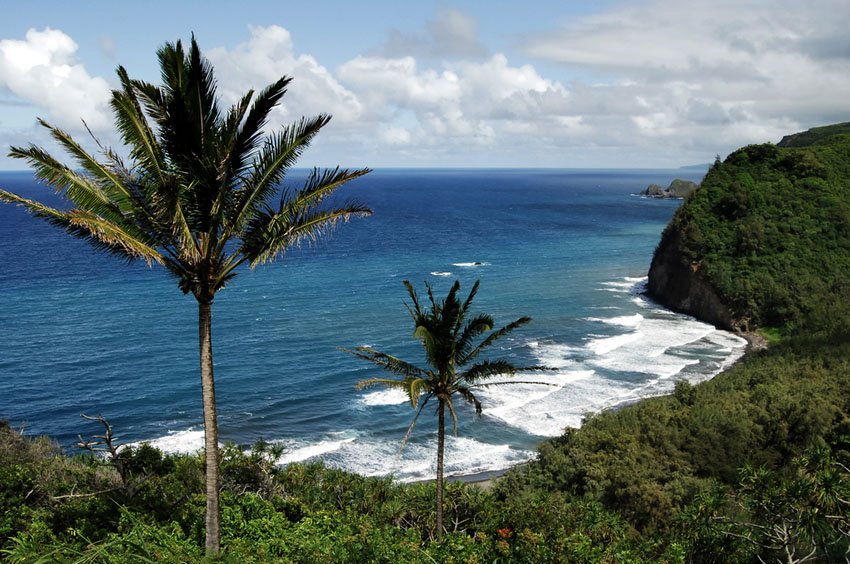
[504, 533]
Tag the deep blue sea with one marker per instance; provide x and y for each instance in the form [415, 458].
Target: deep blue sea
[86, 333]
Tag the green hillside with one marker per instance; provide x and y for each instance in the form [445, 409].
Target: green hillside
[769, 230]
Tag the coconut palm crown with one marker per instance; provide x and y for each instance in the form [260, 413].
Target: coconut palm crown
[453, 341]
[200, 193]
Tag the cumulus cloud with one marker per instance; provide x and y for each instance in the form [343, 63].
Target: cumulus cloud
[463, 103]
[453, 34]
[270, 54]
[717, 74]
[645, 83]
[42, 70]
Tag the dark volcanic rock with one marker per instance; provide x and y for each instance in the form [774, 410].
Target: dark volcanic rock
[678, 284]
[678, 189]
[655, 191]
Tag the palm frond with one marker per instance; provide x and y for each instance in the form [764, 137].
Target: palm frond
[236, 155]
[189, 249]
[114, 237]
[36, 208]
[413, 423]
[469, 396]
[87, 162]
[493, 337]
[202, 92]
[134, 128]
[474, 327]
[387, 362]
[412, 386]
[101, 234]
[451, 407]
[490, 368]
[452, 310]
[512, 382]
[320, 184]
[251, 130]
[471, 296]
[152, 98]
[102, 191]
[270, 235]
[416, 311]
[279, 152]
[78, 189]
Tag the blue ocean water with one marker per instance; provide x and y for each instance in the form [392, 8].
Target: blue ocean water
[86, 333]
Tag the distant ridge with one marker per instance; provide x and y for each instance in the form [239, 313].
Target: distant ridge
[815, 135]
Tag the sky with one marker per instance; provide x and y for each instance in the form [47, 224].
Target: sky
[565, 84]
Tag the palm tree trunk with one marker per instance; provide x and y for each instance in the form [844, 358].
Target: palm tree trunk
[213, 528]
[441, 445]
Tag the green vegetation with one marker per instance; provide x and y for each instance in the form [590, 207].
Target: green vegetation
[451, 339]
[52, 511]
[770, 231]
[198, 197]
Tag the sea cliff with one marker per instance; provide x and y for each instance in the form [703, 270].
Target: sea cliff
[678, 284]
[765, 240]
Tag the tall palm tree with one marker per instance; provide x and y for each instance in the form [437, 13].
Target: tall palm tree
[452, 341]
[201, 195]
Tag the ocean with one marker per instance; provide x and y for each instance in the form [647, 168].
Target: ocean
[86, 333]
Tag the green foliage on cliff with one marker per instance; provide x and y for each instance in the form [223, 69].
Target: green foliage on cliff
[770, 229]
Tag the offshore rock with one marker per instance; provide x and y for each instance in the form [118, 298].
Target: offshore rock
[678, 189]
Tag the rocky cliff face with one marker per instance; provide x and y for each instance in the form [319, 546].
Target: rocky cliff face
[678, 284]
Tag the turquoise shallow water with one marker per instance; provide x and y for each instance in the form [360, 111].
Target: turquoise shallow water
[86, 333]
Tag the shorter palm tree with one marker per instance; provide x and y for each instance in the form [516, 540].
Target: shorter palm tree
[452, 343]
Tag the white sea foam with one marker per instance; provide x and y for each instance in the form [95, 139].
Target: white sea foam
[530, 406]
[604, 345]
[299, 451]
[554, 355]
[627, 285]
[606, 371]
[188, 441]
[547, 411]
[623, 320]
[470, 264]
[385, 397]
[438, 273]
[417, 461]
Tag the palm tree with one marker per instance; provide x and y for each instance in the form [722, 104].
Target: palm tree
[201, 195]
[452, 342]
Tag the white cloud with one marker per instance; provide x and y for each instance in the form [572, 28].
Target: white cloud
[42, 70]
[270, 54]
[394, 135]
[398, 83]
[465, 102]
[709, 76]
[454, 34]
[663, 82]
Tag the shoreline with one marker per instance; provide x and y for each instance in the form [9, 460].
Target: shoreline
[487, 479]
[484, 480]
